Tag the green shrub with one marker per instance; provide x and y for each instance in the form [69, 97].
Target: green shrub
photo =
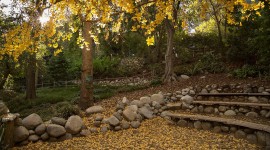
[65, 109]
[212, 63]
[156, 82]
[246, 71]
[106, 67]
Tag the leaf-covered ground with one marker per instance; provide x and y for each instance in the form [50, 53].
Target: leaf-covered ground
[156, 134]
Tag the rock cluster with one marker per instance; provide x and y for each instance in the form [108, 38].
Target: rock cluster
[32, 129]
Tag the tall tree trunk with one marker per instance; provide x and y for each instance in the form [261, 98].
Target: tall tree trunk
[218, 22]
[169, 74]
[86, 97]
[30, 78]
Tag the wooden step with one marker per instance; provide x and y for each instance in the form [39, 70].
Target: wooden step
[233, 94]
[228, 121]
[265, 106]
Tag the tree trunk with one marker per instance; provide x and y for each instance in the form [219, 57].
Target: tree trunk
[169, 74]
[6, 73]
[86, 97]
[218, 22]
[30, 78]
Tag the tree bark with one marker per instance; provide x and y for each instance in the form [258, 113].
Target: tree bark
[86, 96]
[6, 73]
[30, 77]
[218, 22]
[169, 74]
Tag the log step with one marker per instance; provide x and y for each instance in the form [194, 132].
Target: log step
[228, 121]
[266, 106]
[233, 94]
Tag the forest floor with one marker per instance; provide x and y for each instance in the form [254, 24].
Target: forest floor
[157, 133]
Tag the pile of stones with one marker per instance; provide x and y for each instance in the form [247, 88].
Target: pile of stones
[126, 81]
[32, 129]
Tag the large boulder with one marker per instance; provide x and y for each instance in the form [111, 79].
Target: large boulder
[113, 121]
[20, 134]
[33, 138]
[74, 124]
[40, 129]
[94, 109]
[230, 113]
[187, 99]
[130, 112]
[158, 98]
[32, 121]
[55, 130]
[145, 100]
[137, 102]
[59, 121]
[144, 111]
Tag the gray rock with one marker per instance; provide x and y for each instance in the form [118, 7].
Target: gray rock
[64, 137]
[55, 130]
[44, 136]
[130, 113]
[118, 116]
[261, 89]
[32, 121]
[104, 129]
[229, 113]
[93, 130]
[20, 134]
[120, 106]
[217, 129]
[204, 91]
[94, 109]
[185, 91]
[252, 138]
[184, 77]
[158, 98]
[253, 99]
[200, 108]
[139, 118]
[192, 92]
[187, 99]
[147, 113]
[135, 124]
[243, 110]
[194, 110]
[209, 110]
[59, 121]
[145, 100]
[233, 129]
[182, 123]
[40, 129]
[113, 121]
[214, 91]
[240, 134]
[125, 125]
[33, 138]
[31, 132]
[85, 132]
[99, 118]
[125, 101]
[117, 128]
[74, 124]
[206, 125]
[225, 128]
[137, 102]
[252, 114]
[173, 98]
[164, 113]
[197, 124]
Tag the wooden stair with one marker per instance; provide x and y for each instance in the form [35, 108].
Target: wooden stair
[265, 106]
[227, 121]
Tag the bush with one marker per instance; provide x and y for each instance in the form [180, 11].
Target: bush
[65, 110]
[246, 71]
[212, 63]
[131, 65]
[106, 67]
